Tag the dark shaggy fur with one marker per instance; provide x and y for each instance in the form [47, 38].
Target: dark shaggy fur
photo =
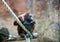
[28, 23]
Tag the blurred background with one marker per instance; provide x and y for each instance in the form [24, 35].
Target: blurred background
[46, 14]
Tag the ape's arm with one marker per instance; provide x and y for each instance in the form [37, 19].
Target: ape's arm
[15, 23]
[20, 18]
[33, 26]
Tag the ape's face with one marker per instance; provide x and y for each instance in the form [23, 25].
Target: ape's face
[28, 17]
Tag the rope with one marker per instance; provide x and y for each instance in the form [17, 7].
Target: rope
[13, 14]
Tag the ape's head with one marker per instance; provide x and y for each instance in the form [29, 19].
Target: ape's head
[28, 17]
